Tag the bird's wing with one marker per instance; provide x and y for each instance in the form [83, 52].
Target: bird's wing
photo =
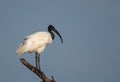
[33, 42]
[37, 40]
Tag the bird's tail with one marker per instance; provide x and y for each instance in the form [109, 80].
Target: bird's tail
[21, 49]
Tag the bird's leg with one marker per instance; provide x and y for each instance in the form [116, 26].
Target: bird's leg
[37, 58]
[36, 61]
[39, 62]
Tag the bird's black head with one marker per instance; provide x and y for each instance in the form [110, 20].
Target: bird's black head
[52, 28]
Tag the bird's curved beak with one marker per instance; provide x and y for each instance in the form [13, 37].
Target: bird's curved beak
[57, 34]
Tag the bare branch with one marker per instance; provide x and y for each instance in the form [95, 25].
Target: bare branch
[36, 71]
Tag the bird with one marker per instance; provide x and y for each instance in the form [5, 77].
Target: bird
[37, 42]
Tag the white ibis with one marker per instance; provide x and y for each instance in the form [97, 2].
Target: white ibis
[37, 42]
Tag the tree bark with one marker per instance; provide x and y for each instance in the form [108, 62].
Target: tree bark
[37, 72]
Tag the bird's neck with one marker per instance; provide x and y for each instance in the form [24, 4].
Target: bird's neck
[52, 35]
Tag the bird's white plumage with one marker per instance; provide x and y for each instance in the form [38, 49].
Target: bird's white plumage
[35, 43]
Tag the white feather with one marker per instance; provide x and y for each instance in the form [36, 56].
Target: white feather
[34, 43]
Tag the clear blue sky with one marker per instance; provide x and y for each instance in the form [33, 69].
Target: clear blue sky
[91, 34]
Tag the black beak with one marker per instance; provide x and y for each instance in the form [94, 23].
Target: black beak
[52, 28]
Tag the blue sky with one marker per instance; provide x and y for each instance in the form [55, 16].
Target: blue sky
[91, 34]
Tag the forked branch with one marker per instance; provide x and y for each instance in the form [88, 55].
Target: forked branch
[37, 72]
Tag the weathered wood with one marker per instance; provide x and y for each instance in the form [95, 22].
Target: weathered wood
[37, 72]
